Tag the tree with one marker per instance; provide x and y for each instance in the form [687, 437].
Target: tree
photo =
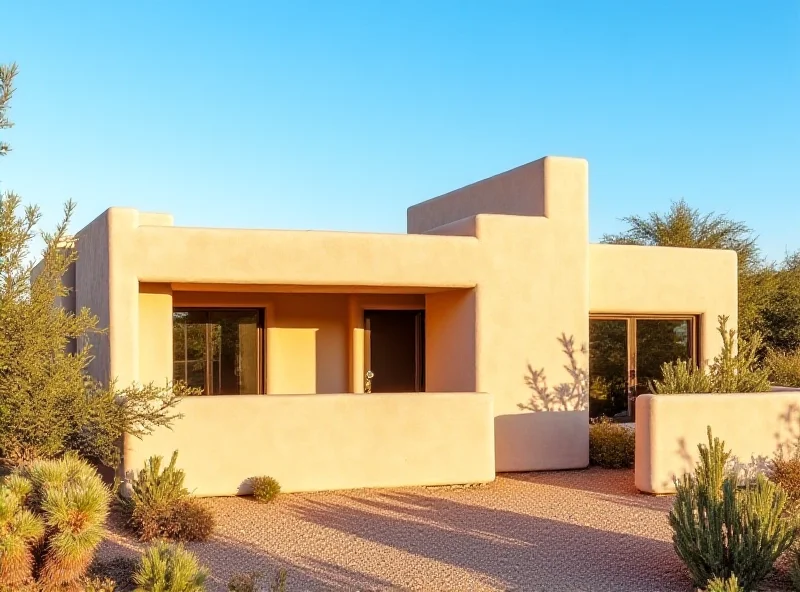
[683, 226]
[48, 404]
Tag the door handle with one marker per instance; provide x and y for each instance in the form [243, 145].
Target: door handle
[368, 381]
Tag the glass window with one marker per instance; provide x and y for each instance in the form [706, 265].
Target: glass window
[627, 352]
[217, 350]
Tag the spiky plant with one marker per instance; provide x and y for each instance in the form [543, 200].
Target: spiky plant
[75, 515]
[67, 497]
[154, 487]
[720, 529]
[730, 584]
[168, 567]
[20, 530]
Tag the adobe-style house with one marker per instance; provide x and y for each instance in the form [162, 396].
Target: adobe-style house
[336, 360]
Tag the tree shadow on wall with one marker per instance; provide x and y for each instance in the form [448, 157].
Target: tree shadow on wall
[566, 396]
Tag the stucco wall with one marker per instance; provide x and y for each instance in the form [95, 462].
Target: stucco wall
[663, 280]
[669, 428]
[327, 441]
[504, 268]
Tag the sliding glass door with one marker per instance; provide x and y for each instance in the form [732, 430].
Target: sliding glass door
[218, 350]
[626, 353]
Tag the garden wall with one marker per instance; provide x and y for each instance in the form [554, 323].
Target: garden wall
[669, 428]
[325, 442]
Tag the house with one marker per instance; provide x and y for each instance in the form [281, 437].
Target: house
[337, 360]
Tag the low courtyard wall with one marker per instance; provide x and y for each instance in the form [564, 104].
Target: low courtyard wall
[326, 442]
[754, 426]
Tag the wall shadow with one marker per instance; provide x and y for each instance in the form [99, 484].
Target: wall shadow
[474, 547]
[566, 396]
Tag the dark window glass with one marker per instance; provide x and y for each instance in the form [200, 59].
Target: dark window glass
[608, 366]
[659, 342]
[217, 350]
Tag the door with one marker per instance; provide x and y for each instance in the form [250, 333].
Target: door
[394, 350]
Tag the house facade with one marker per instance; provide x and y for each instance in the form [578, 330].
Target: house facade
[334, 360]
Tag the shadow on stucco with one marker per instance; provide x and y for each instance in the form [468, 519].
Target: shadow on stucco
[566, 396]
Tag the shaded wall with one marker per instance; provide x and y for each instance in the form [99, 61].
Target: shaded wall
[669, 428]
[327, 441]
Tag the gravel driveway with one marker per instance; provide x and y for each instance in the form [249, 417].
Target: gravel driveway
[562, 531]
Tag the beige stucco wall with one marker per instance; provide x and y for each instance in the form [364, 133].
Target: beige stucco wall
[669, 428]
[663, 280]
[327, 441]
[502, 267]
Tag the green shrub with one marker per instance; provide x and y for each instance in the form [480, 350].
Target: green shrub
[735, 370]
[783, 367]
[611, 445]
[729, 585]
[265, 489]
[52, 514]
[167, 567]
[720, 529]
[250, 582]
[681, 377]
[159, 506]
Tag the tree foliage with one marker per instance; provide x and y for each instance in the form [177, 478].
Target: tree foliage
[48, 403]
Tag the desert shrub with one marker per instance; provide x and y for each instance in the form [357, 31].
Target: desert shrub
[611, 445]
[681, 377]
[252, 582]
[735, 370]
[720, 529]
[168, 567]
[728, 585]
[265, 489]
[52, 514]
[159, 506]
[783, 367]
[785, 471]
[96, 584]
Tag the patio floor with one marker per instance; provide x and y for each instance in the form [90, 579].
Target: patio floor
[572, 531]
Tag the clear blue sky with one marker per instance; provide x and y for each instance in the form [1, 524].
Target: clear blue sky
[339, 115]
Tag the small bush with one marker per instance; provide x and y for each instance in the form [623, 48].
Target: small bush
[729, 585]
[265, 489]
[611, 445]
[184, 520]
[251, 582]
[794, 570]
[52, 514]
[167, 567]
[783, 368]
[159, 505]
[735, 370]
[785, 471]
[720, 529]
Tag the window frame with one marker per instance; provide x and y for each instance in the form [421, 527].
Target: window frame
[694, 338]
[260, 342]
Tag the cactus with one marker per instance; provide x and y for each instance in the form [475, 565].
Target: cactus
[720, 530]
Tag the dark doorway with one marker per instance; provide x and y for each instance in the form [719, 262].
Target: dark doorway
[395, 350]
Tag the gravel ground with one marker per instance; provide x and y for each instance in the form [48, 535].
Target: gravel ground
[561, 531]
